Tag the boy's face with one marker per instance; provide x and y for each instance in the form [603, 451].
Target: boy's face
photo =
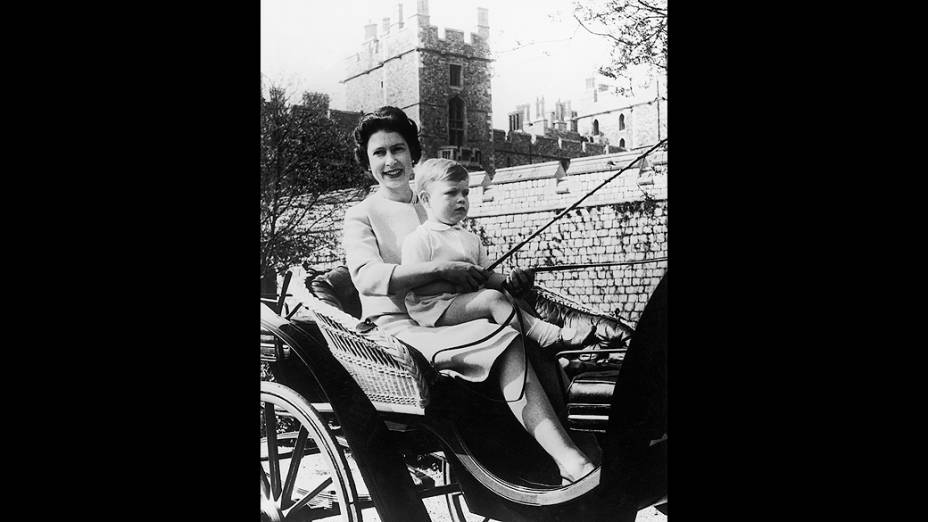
[447, 201]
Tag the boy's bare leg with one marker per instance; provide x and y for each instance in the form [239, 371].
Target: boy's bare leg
[492, 304]
[482, 304]
[535, 413]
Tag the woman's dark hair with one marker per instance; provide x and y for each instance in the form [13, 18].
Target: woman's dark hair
[389, 119]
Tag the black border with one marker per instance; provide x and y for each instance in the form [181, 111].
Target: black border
[747, 311]
[174, 392]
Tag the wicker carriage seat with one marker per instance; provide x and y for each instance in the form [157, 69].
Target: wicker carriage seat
[593, 375]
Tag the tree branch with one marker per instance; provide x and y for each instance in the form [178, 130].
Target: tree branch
[653, 9]
[599, 34]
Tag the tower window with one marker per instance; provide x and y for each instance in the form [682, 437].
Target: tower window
[455, 122]
[622, 143]
[621, 122]
[595, 127]
[515, 121]
[456, 80]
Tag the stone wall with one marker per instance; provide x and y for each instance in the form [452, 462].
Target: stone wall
[623, 221]
[435, 91]
[394, 82]
[641, 124]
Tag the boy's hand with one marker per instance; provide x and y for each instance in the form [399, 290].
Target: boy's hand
[468, 276]
[520, 280]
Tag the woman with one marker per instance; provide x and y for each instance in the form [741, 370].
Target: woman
[387, 145]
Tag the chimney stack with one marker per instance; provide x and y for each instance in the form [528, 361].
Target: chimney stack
[483, 23]
[399, 16]
[422, 12]
[370, 32]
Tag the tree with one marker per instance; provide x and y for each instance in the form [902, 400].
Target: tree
[637, 29]
[307, 168]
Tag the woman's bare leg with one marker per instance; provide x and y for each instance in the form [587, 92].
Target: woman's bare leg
[533, 410]
[535, 413]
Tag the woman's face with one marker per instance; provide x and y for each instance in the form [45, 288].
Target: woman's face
[390, 160]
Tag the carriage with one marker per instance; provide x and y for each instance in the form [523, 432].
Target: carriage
[355, 418]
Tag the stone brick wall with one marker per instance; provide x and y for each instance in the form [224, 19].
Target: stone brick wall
[623, 221]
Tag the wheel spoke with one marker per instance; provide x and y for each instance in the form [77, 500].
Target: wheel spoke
[295, 457]
[309, 496]
[265, 486]
[270, 424]
[269, 509]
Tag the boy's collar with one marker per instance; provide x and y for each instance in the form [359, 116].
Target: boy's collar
[439, 226]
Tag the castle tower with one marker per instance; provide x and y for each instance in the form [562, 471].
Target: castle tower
[441, 81]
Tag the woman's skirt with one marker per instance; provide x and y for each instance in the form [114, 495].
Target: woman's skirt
[426, 310]
[466, 350]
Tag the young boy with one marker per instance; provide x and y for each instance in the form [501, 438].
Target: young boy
[442, 186]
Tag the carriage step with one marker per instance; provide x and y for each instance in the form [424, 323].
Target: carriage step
[419, 478]
[269, 353]
[329, 500]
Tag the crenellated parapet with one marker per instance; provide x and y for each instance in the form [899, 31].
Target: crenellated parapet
[521, 148]
[452, 41]
[556, 184]
[373, 52]
[415, 33]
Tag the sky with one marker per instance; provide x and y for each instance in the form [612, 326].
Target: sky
[538, 47]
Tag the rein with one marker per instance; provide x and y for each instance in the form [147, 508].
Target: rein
[552, 268]
[514, 249]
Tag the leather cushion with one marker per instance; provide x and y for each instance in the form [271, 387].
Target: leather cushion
[590, 394]
[608, 332]
[592, 387]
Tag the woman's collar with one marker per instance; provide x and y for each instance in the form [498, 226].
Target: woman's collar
[383, 195]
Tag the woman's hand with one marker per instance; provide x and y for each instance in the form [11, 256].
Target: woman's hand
[466, 276]
[520, 280]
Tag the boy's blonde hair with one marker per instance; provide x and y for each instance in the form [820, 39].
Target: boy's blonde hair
[439, 169]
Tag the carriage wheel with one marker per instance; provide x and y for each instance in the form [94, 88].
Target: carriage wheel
[304, 471]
